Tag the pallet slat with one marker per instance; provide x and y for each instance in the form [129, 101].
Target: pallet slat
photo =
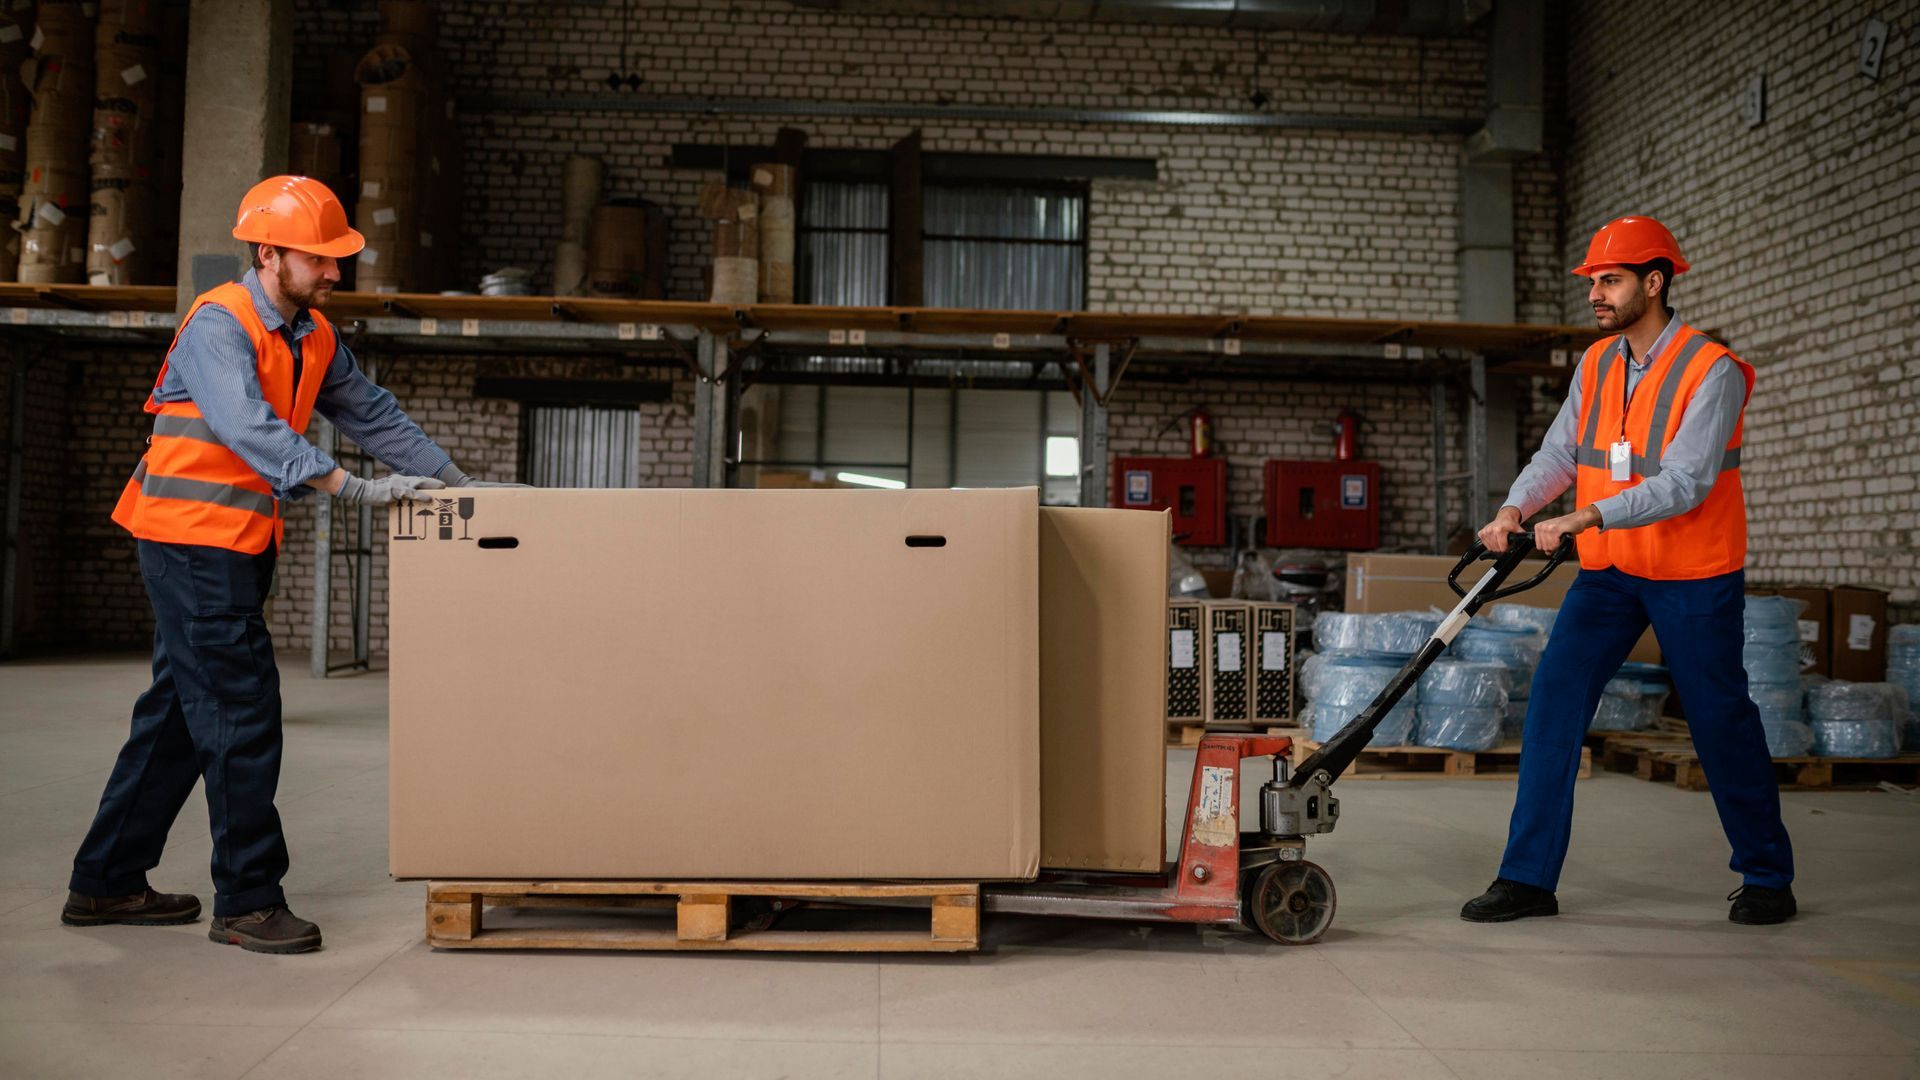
[1672, 758]
[456, 916]
[1435, 763]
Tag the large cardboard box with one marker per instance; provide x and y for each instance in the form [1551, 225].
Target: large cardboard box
[1377, 583]
[1859, 650]
[1103, 678]
[716, 684]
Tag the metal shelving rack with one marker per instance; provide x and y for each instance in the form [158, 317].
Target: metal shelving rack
[725, 349]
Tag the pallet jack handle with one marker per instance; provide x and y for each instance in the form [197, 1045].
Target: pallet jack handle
[1324, 766]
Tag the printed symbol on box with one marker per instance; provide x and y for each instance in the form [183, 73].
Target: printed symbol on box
[470, 327]
[445, 510]
[836, 337]
[1558, 357]
[1353, 492]
[628, 331]
[649, 332]
[1392, 352]
[1232, 346]
[1139, 487]
[406, 513]
[429, 327]
[1003, 341]
[856, 337]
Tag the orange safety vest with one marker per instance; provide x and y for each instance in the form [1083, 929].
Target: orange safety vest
[1710, 539]
[189, 488]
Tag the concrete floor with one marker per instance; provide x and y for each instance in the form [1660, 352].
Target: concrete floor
[1643, 977]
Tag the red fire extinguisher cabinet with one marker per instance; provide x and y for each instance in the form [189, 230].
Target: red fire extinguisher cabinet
[1195, 489]
[1323, 504]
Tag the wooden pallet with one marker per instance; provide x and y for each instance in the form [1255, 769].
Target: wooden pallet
[1433, 763]
[1662, 757]
[703, 916]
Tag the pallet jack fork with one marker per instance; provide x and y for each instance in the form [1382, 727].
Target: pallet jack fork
[1261, 878]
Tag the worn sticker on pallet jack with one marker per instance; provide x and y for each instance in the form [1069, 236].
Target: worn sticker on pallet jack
[1213, 822]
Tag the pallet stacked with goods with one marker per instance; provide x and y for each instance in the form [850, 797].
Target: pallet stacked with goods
[122, 248]
[54, 199]
[409, 155]
[16, 105]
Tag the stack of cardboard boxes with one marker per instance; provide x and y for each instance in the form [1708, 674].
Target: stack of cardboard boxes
[54, 199]
[1230, 666]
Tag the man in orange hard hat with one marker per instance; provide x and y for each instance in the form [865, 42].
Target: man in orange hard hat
[1649, 438]
[251, 363]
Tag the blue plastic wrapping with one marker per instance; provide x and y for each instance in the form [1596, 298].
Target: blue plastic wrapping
[1787, 738]
[1842, 700]
[1524, 616]
[1629, 704]
[1340, 631]
[1395, 730]
[1856, 738]
[1464, 682]
[1780, 698]
[1772, 620]
[1516, 721]
[1455, 727]
[1903, 670]
[1399, 633]
[1777, 663]
[1351, 679]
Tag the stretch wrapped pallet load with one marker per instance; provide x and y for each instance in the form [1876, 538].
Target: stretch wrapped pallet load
[1773, 658]
[54, 204]
[1337, 686]
[775, 185]
[1856, 720]
[1463, 705]
[392, 102]
[1903, 670]
[1632, 700]
[121, 249]
[934, 676]
[580, 181]
[1522, 617]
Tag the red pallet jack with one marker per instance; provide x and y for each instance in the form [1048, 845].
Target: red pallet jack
[1261, 879]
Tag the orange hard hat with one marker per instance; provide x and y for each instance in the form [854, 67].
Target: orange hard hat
[299, 213]
[1630, 241]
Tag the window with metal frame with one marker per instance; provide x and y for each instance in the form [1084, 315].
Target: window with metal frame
[578, 446]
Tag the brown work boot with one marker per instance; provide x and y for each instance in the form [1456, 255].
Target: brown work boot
[144, 908]
[269, 930]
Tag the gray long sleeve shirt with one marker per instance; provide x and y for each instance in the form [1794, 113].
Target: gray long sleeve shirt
[1689, 464]
[213, 365]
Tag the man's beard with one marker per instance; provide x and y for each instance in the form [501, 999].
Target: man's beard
[1623, 316]
[315, 295]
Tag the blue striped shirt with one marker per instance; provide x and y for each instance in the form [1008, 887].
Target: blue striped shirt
[213, 365]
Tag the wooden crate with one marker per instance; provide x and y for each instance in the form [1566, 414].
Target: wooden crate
[702, 916]
[1434, 763]
[1662, 757]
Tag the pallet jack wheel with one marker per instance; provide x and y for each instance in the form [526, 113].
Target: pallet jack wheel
[1291, 902]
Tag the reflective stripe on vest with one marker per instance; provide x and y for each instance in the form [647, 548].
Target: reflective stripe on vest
[188, 489]
[1593, 454]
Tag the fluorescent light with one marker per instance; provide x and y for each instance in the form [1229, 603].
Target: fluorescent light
[1063, 455]
[869, 481]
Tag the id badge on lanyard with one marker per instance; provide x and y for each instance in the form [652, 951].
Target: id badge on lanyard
[1620, 461]
[1620, 454]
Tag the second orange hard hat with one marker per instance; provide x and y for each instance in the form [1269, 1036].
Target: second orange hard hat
[297, 212]
[1630, 241]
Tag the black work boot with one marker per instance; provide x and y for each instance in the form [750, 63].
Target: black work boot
[1757, 905]
[144, 908]
[269, 930]
[1506, 900]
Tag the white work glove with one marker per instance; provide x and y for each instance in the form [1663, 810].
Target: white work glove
[386, 490]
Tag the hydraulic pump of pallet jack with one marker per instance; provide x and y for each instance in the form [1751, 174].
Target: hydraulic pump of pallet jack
[1299, 802]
